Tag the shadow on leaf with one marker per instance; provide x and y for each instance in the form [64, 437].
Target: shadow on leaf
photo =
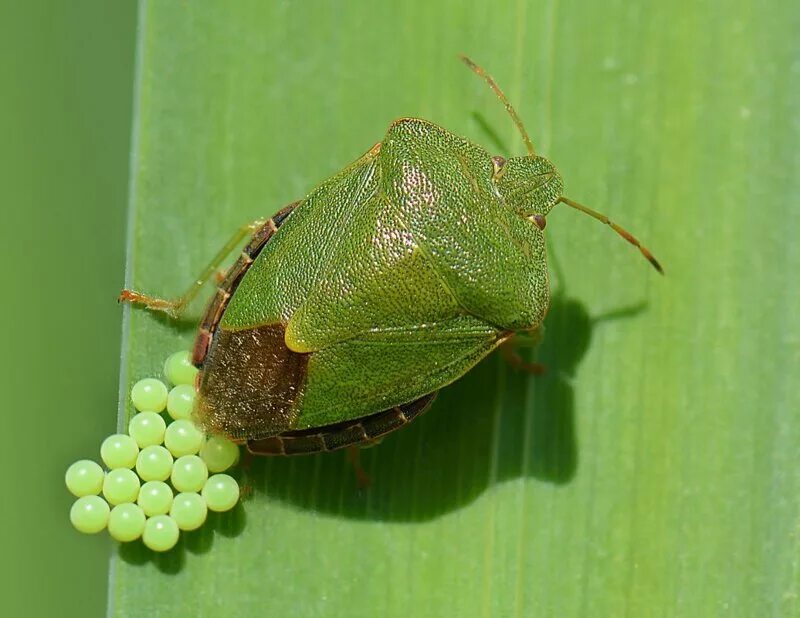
[198, 542]
[494, 424]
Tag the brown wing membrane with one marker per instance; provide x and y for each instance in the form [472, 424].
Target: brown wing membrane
[341, 435]
[249, 383]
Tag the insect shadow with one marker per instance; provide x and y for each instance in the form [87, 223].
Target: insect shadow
[183, 325]
[199, 541]
[494, 424]
[491, 134]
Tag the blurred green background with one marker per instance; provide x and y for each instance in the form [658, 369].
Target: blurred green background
[66, 74]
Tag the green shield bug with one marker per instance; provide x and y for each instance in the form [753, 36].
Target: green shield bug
[348, 310]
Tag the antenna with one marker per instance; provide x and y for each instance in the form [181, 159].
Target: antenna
[511, 112]
[622, 232]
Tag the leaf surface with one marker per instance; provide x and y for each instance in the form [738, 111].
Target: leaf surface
[654, 469]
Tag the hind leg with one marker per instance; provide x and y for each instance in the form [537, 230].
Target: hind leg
[354, 457]
[175, 307]
[512, 356]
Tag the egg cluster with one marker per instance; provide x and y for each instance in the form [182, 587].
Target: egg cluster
[160, 477]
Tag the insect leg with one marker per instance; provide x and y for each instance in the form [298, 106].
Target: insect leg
[354, 456]
[513, 358]
[220, 275]
[175, 307]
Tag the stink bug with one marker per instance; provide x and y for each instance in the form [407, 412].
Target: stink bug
[349, 309]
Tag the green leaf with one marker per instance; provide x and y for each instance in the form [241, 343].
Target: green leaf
[654, 469]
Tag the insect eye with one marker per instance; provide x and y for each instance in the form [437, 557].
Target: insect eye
[499, 163]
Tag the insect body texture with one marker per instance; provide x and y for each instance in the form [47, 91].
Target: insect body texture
[389, 281]
[350, 309]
